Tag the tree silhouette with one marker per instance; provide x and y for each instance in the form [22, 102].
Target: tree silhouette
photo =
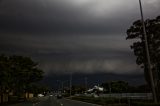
[17, 73]
[135, 32]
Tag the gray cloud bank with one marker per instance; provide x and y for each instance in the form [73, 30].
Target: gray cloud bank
[84, 36]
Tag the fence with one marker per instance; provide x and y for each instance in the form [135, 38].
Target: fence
[126, 95]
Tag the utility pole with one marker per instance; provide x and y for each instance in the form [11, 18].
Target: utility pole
[148, 56]
[86, 83]
[58, 82]
[62, 86]
[70, 84]
[109, 83]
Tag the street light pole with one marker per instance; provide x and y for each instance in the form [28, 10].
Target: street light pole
[86, 83]
[62, 86]
[148, 55]
[70, 84]
[58, 82]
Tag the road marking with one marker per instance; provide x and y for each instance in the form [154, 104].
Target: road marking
[84, 102]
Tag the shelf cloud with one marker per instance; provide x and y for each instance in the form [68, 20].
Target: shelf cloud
[82, 36]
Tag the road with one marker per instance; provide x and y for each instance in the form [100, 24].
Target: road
[52, 101]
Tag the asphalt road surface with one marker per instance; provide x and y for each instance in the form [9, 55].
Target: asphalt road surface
[52, 101]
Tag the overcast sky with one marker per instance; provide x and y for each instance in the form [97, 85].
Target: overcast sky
[84, 36]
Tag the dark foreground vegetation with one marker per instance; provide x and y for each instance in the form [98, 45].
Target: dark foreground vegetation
[18, 79]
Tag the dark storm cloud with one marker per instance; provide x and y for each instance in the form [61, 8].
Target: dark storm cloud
[75, 35]
[56, 17]
[70, 16]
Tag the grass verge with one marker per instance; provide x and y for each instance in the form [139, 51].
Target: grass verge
[102, 100]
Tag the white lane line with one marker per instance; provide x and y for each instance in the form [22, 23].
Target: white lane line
[84, 102]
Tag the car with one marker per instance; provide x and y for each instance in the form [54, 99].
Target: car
[40, 95]
[59, 96]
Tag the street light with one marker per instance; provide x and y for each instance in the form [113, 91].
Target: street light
[60, 85]
[71, 84]
[86, 83]
[148, 56]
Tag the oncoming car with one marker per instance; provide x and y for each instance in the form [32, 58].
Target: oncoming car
[59, 96]
[40, 95]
